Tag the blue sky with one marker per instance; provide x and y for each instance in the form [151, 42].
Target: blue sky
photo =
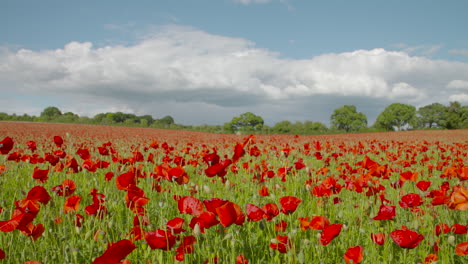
[282, 59]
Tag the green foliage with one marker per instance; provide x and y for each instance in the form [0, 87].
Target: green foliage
[348, 119]
[396, 115]
[432, 115]
[50, 113]
[247, 122]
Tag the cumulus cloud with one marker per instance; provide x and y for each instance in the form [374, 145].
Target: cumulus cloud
[181, 71]
[457, 84]
[463, 52]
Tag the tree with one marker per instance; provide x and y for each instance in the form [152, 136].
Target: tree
[167, 120]
[453, 116]
[348, 119]
[283, 127]
[432, 115]
[396, 115]
[247, 121]
[314, 127]
[50, 113]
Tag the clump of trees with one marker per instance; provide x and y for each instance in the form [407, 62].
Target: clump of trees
[346, 119]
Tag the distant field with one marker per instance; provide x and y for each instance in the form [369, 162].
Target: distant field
[96, 194]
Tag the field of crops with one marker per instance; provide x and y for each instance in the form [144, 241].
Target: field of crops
[95, 194]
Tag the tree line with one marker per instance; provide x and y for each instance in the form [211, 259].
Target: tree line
[347, 119]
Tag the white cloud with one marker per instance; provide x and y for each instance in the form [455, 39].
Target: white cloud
[176, 68]
[463, 52]
[426, 50]
[461, 97]
[457, 84]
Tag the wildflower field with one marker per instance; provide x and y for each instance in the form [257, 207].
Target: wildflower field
[96, 194]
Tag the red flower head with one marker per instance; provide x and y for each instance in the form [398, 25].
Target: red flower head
[230, 213]
[176, 225]
[241, 259]
[190, 205]
[67, 188]
[185, 247]
[161, 239]
[410, 200]
[289, 204]
[214, 203]
[6, 145]
[386, 212]
[329, 233]
[354, 255]
[40, 194]
[58, 140]
[115, 252]
[283, 244]
[254, 213]
[319, 222]
[423, 185]
[204, 220]
[406, 238]
[40, 175]
[462, 249]
[271, 210]
[378, 238]
[72, 203]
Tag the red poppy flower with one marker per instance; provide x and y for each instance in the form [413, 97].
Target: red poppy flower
[442, 228]
[32, 262]
[239, 152]
[406, 238]
[78, 220]
[213, 203]
[67, 188]
[319, 222]
[462, 249]
[58, 140]
[40, 194]
[175, 225]
[281, 226]
[283, 244]
[190, 205]
[230, 213]
[185, 247]
[354, 255]
[459, 198]
[2, 254]
[271, 210]
[6, 145]
[459, 229]
[72, 203]
[410, 200]
[329, 233]
[160, 239]
[264, 191]
[35, 232]
[83, 153]
[115, 252]
[409, 176]
[40, 175]
[378, 238]
[204, 220]
[386, 212]
[124, 180]
[289, 204]
[241, 259]
[254, 213]
[431, 258]
[423, 185]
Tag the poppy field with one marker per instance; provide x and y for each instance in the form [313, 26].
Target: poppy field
[97, 194]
